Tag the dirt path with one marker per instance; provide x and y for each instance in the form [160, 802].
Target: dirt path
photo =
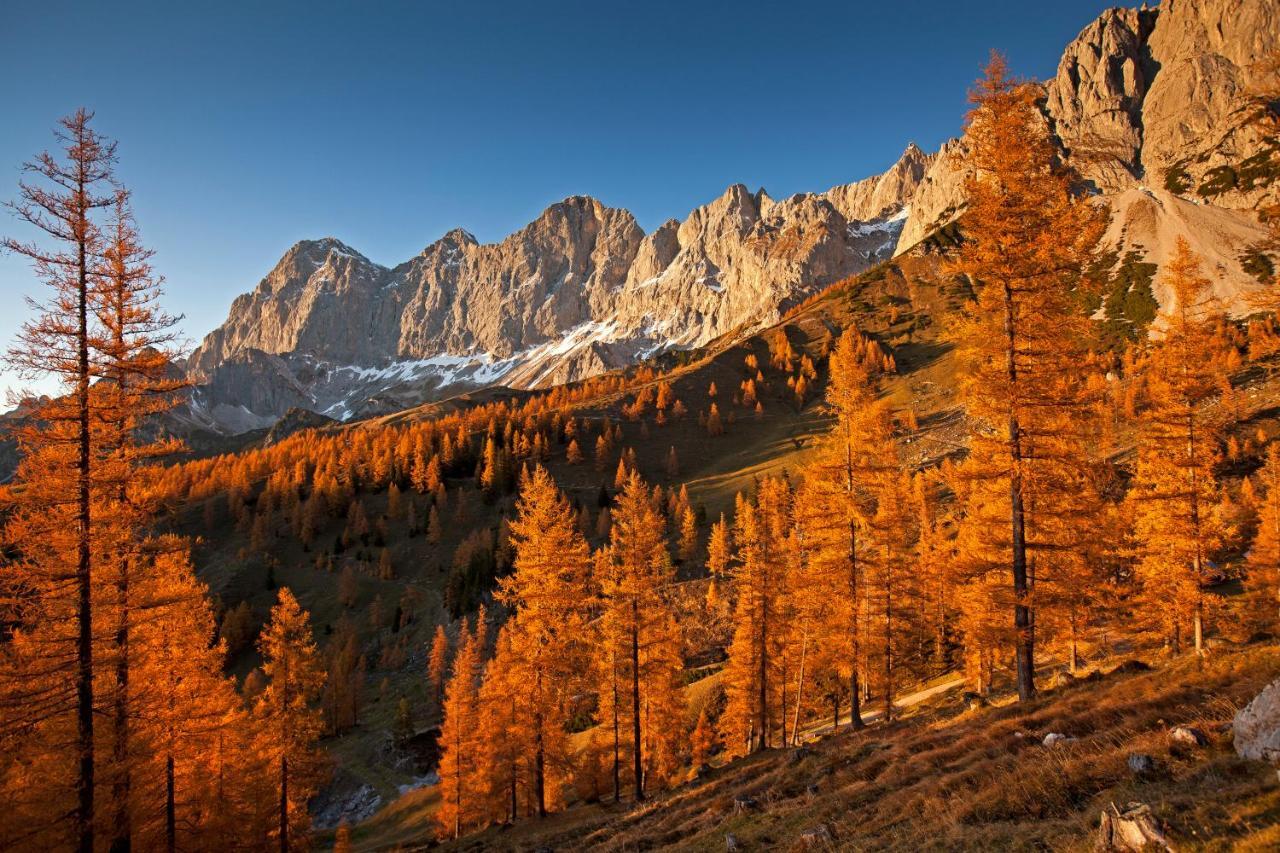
[813, 731]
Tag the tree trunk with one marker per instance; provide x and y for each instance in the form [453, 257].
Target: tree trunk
[170, 807]
[855, 701]
[284, 804]
[539, 767]
[888, 649]
[763, 698]
[795, 723]
[122, 842]
[84, 579]
[617, 741]
[457, 781]
[515, 802]
[1198, 560]
[638, 767]
[1025, 650]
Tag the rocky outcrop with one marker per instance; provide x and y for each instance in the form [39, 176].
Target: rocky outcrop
[1196, 129]
[939, 198]
[580, 290]
[1096, 98]
[1256, 727]
[1155, 98]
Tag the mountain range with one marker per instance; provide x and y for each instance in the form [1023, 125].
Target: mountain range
[1150, 106]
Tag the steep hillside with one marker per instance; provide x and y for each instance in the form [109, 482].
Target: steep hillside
[391, 584]
[946, 778]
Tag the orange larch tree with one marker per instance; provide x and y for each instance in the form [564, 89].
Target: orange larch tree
[61, 205]
[638, 631]
[548, 592]
[288, 721]
[1174, 489]
[460, 779]
[1028, 239]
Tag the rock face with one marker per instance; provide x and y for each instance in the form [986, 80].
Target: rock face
[580, 290]
[1096, 97]
[1150, 97]
[1256, 727]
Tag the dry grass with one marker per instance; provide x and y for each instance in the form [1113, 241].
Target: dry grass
[952, 780]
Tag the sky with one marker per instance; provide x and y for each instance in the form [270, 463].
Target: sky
[245, 127]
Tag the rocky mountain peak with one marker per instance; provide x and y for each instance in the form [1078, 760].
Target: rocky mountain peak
[458, 237]
[579, 290]
[882, 195]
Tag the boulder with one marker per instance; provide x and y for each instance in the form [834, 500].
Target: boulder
[1053, 739]
[819, 837]
[1256, 727]
[1135, 828]
[1188, 736]
[799, 754]
[334, 806]
[1141, 765]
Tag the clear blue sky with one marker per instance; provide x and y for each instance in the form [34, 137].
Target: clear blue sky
[244, 127]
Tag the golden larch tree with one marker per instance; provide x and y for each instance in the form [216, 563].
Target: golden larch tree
[1174, 489]
[1028, 238]
[289, 722]
[548, 592]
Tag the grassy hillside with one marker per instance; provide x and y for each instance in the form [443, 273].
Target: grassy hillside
[943, 777]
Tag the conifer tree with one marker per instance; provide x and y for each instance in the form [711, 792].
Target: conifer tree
[839, 486]
[892, 593]
[288, 722]
[1262, 583]
[1174, 491]
[753, 673]
[504, 720]
[637, 614]
[688, 534]
[1027, 240]
[438, 663]
[548, 594]
[59, 343]
[459, 776]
